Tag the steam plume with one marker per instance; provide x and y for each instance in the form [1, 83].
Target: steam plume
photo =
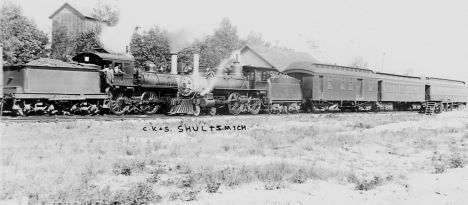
[179, 39]
[212, 82]
[115, 39]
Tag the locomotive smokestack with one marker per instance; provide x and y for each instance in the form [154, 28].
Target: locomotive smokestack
[174, 64]
[237, 68]
[196, 60]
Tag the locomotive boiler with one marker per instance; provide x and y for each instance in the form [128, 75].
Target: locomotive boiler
[243, 89]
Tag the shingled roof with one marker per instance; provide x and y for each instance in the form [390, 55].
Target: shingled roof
[278, 58]
[79, 10]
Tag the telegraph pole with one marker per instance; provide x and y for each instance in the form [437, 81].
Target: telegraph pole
[383, 60]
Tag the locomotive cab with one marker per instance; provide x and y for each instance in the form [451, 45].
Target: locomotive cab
[124, 63]
[258, 76]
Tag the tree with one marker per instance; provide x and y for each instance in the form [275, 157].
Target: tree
[213, 49]
[255, 39]
[151, 45]
[61, 48]
[21, 39]
[87, 41]
[359, 62]
[106, 13]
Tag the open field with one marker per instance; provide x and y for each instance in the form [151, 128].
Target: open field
[348, 158]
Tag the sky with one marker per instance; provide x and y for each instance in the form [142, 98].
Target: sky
[425, 38]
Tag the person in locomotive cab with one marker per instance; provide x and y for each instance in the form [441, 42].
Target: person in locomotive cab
[117, 69]
[108, 78]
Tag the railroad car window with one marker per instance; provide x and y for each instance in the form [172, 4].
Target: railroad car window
[329, 84]
[321, 83]
[350, 85]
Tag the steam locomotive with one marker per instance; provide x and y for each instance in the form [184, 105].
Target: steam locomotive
[79, 88]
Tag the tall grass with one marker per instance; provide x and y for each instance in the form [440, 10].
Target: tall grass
[116, 162]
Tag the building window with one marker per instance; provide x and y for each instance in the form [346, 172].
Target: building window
[252, 75]
[258, 75]
[264, 76]
[342, 84]
[329, 84]
[370, 86]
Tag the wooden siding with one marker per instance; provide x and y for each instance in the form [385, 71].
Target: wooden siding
[451, 93]
[402, 91]
[72, 22]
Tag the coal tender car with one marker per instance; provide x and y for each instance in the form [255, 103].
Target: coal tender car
[47, 86]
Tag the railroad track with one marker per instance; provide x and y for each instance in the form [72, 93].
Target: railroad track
[65, 118]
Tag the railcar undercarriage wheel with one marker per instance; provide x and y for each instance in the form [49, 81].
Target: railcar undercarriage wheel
[234, 106]
[254, 106]
[293, 108]
[212, 111]
[147, 103]
[275, 109]
[118, 106]
[196, 110]
[438, 108]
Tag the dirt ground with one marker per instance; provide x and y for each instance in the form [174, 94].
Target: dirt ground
[345, 158]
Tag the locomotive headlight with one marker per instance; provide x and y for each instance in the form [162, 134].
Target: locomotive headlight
[186, 86]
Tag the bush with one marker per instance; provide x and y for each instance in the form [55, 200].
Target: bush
[272, 185]
[366, 185]
[439, 168]
[212, 187]
[299, 177]
[186, 181]
[173, 196]
[456, 161]
[153, 178]
[189, 195]
[141, 193]
[362, 126]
